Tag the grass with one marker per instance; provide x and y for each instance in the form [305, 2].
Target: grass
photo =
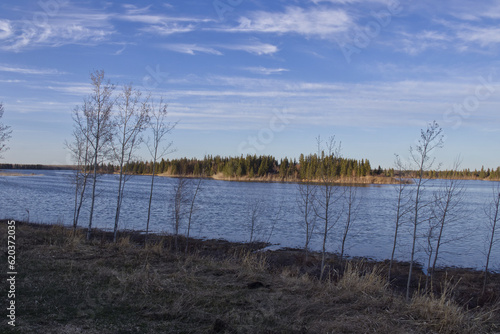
[68, 285]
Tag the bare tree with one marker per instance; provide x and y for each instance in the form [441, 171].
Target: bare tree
[94, 120]
[403, 206]
[421, 158]
[191, 210]
[254, 218]
[274, 220]
[305, 200]
[5, 133]
[79, 150]
[130, 121]
[447, 201]
[328, 193]
[493, 213]
[160, 128]
[352, 202]
[180, 202]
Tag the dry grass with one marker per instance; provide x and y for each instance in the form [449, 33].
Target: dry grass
[68, 285]
[441, 314]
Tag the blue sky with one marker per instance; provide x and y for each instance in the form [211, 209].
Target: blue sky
[264, 77]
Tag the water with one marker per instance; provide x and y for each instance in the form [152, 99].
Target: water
[224, 210]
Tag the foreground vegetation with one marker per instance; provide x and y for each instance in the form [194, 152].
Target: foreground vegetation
[68, 285]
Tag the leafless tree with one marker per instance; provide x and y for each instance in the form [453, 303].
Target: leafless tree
[5, 133]
[130, 121]
[420, 157]
[328, 194]
[197, 189]
[255, 210]
[277, 218]
[446, 211]
[79, 150]
[403, 205]
[94, 120]
[160, 128]
[305, 201]
[493, 213]
[352, 202]
[180, 201]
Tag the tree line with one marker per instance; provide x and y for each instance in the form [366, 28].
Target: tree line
[307, 168]
[466, 173]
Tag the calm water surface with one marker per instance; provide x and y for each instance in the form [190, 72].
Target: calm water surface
[223, 210]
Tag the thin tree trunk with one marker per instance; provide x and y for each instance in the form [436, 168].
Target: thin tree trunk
[150, 198]
[75, 222]
[438, 243]
[191, 214]
[119, 200]
[93, 188]
[395, 237]
[493, 227]
[415, 224]
[325, 235]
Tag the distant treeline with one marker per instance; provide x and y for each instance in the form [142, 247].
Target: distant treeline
[252, 166]
[308, 167]
[38, 167]
[483, 174]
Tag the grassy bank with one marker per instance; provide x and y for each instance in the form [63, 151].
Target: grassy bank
[68, 285]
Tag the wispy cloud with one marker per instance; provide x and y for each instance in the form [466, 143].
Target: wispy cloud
[191, 49]
[419, 42]
[257, 48]
[69, 25]
[71, 88]
[315, 21]
[265, 70]
[169, 29]
[5, 29]
[476, 11]
[24, 70]
[484, 36]
[159, 23]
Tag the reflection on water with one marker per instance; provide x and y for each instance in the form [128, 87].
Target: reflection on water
[223, 210]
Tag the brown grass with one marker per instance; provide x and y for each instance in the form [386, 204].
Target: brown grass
[68, 285]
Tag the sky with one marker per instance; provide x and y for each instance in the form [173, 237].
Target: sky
[261, 77]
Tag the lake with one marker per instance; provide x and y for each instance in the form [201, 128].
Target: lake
[224, 210]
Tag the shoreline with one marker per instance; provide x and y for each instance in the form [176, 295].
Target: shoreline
[256, 246]
[2, 173]
[357, 181]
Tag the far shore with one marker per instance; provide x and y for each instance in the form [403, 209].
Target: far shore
[3, 173]
[358, 180]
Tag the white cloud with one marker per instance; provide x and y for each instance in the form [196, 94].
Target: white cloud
[169, 29]
[158, 23]
[483, 36]
[21, 70]
[72, 88]
[68, 26]
[255, 48]
[316, 21]
[265, 70]
[416, 43]
[191, 49]
[476, 11]
[5, 29]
